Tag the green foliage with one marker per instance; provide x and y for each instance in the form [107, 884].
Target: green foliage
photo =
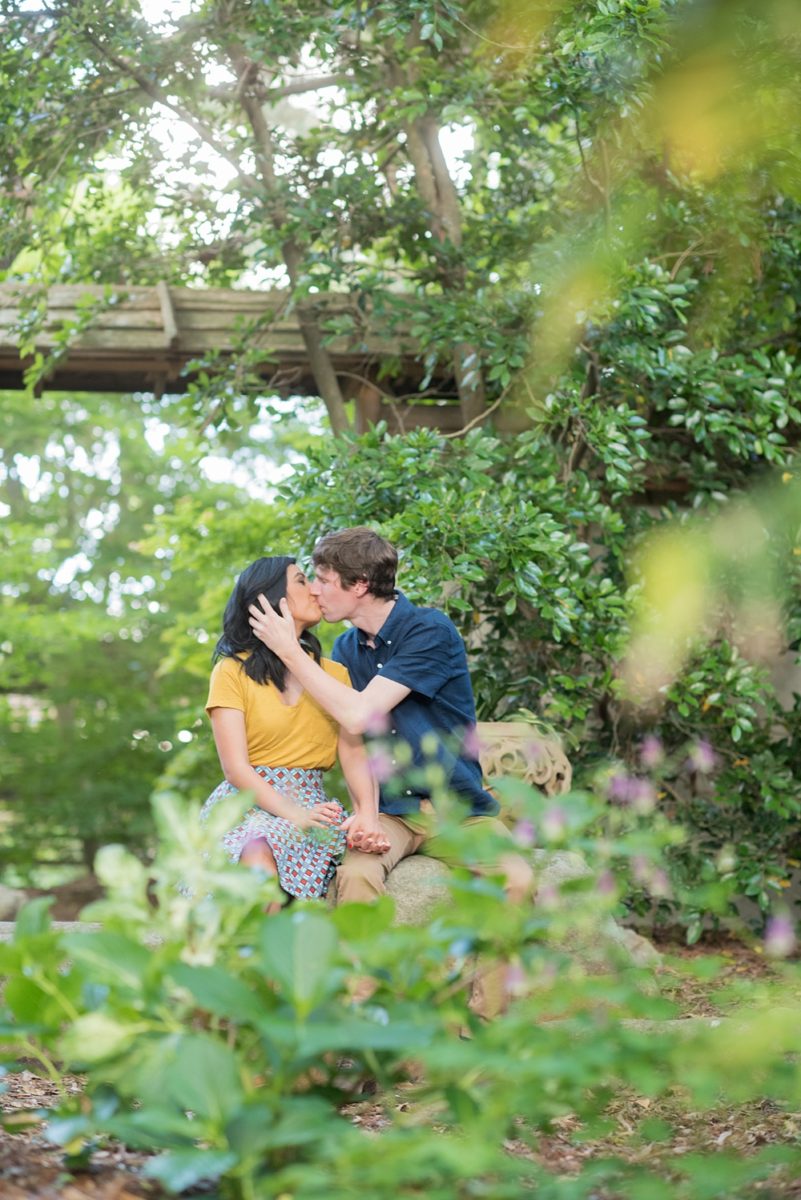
[228, 1043]
[494, 538]
[88, 716]
[614, 263]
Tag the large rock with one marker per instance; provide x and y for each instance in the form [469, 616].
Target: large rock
[11, 901]
[418, 884]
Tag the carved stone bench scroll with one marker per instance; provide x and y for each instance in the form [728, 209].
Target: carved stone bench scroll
[517, 748]
[418, 884]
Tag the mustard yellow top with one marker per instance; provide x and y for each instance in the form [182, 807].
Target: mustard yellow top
[278, 734]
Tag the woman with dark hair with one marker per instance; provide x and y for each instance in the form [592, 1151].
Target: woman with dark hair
[275, 741]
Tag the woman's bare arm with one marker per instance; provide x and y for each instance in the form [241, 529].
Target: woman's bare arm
[228, 727]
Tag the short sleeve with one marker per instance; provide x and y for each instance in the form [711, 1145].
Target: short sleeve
[337, 670]
[429, 653]
[226, 686]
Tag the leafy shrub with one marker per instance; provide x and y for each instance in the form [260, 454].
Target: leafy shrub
[231, 1043]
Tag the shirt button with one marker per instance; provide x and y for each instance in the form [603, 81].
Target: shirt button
[408, 791]
[389, 641]
[379, 664]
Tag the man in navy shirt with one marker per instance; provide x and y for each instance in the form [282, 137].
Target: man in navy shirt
[410, 680]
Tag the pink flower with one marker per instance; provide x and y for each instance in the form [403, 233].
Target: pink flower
[554, 823]
[643, 796]
[471, 743]
[515, 980]
[641, 868]
[377, 723]
[651, 752]
[381, 764]
[605, 884]
[532, 749]
[628, 790]
[702, 758]
[524, 833]
[659, 884]
[547, 896]
[618, 789]
[780, 939]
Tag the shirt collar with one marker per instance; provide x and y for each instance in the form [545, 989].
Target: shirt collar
[391, 627]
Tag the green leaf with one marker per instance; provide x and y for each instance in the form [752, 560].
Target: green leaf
[179, 1170]
[33, 918]
[301, 1121]
[297, 949]
[204, 1077]
[218, 991]
[358, 1036]
[97, 1036]
[361, 922]
[152, 1126]
[113, 956]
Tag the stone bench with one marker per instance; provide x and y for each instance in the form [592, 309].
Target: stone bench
[505, 748]
[518, 748]
[418, 884]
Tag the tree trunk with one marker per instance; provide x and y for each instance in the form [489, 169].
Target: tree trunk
[319, 359]
[438, 193]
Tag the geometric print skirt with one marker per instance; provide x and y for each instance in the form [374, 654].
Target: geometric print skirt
[307, 861]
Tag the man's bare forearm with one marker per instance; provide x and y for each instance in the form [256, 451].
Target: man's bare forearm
[347, 706]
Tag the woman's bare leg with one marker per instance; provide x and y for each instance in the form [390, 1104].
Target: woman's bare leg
[259, 857]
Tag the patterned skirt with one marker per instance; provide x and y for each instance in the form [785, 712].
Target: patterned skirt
[306, 861]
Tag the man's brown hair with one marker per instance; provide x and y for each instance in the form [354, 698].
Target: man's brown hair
[359, 553]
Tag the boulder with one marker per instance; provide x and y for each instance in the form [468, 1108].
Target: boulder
[11, 901]
[419, 884]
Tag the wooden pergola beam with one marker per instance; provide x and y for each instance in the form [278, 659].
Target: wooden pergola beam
[144, 338]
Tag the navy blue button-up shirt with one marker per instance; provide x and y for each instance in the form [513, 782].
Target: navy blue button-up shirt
[421, 649]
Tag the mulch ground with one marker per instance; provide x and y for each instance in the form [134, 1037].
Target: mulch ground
[32, 1169]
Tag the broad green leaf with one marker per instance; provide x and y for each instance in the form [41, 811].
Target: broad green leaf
[33, 918]
[358, 1036]
[204, 1078]
[31, 1004]
[151, 1126]
[111, 956]
[218, 991]
[297, 949]
[358, 922]
[97, 1036]
[179, 1170]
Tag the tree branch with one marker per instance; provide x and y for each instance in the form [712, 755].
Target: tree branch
[309, 83]
[158, 94]
[319, 358]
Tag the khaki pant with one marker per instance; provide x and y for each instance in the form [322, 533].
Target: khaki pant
[362, 878]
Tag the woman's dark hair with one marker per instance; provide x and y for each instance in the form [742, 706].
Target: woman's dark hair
[266, 576]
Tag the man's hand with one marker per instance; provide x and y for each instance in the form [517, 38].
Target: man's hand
[277, 632]
[365, 834]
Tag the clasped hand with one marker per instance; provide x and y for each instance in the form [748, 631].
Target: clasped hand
[365, 835]
[328, 815]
